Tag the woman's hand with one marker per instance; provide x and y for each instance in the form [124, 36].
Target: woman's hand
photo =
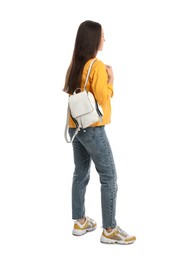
[110, 74]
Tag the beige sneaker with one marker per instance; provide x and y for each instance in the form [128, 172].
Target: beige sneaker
[117, 235]
[88, 225]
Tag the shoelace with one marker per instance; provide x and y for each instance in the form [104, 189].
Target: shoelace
[90, 220]
[119, 230]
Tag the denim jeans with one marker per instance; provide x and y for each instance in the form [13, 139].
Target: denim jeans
[92, 144]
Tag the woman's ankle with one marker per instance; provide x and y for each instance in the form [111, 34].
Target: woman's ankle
[109, 230]
[82, 220]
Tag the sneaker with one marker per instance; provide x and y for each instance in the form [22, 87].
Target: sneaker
[117, 235]
[81, 229]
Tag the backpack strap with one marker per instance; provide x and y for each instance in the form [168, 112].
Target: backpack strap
[88, 73]
[69, 140]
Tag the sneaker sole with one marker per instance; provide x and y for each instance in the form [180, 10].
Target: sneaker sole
[76, 232]
[111, 241]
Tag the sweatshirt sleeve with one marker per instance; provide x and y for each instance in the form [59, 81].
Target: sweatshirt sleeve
[102, 90]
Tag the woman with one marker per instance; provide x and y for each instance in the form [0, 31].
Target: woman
[92, 143]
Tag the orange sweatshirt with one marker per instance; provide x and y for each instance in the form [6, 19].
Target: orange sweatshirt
[103, 91]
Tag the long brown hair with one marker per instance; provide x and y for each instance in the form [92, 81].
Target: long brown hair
[86, 47]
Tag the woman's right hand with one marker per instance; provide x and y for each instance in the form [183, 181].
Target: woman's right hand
[110, 74]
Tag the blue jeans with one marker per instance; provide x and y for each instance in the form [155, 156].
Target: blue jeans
[92, 144]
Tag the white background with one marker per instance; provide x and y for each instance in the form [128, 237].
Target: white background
[147, 46]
